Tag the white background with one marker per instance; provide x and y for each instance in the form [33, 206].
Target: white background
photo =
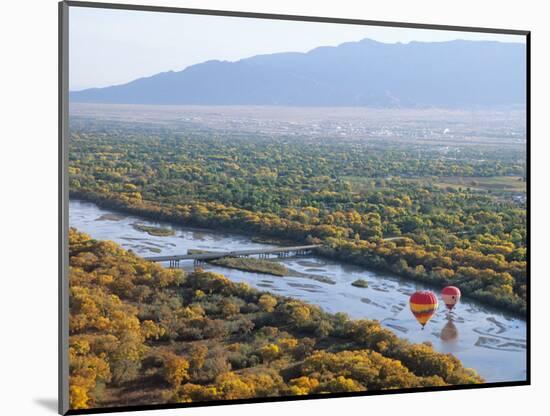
[28, 203]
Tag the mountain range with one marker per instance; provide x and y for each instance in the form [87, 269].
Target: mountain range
[455, 74]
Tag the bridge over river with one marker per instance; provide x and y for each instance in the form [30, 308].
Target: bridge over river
[198, 258]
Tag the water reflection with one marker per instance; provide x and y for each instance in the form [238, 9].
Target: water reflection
[449, 333]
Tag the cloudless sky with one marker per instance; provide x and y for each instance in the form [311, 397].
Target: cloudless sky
[109, 47]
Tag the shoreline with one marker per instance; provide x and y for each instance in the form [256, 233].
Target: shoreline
[106, 203]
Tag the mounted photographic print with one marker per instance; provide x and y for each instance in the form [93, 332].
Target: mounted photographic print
[263, 207]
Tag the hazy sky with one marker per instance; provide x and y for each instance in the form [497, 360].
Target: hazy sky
[109, 47]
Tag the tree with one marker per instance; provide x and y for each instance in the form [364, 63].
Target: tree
[151, 330]
[78, 397]
[270, 352]
[341, 384]
[198, 355]
[229, 308]
[267, 303]
[303, 385]
[233, 387]
[175, 369]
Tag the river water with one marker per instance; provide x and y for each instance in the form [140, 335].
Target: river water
[490, 341]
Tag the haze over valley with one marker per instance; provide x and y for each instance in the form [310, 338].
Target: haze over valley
[452, 74]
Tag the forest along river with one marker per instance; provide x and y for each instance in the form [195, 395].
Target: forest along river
[490, 341]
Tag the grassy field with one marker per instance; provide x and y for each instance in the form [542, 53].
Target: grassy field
[493, 184]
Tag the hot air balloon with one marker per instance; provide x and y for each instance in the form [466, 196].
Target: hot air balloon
[423, 305]
[451, 296]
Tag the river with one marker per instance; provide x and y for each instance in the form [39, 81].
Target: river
[485, 339]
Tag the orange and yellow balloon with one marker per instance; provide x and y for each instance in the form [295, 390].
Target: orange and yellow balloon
[423, 306]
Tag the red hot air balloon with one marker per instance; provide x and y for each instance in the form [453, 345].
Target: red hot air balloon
[423, 305]
[451, 296]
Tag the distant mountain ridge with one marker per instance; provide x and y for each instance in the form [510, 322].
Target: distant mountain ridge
[366, 73]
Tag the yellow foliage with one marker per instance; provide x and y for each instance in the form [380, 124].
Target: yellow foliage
[108, 342]
[267, 303]
[341, 384]
[303, 385]
[287, 344]
[196, 393]
[232, 387]
[175, 369]
[270, 352]
[78, 397]
[151, 330]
